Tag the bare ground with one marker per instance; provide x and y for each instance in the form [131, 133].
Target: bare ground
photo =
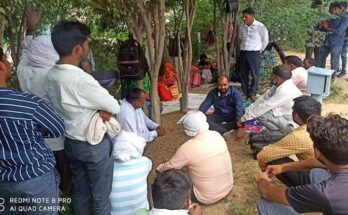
[243, 196]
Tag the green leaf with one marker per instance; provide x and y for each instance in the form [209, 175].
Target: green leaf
[2, 11]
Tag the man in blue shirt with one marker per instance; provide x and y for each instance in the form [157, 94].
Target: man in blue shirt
[228, 104]
[334, 41]
[26, 163]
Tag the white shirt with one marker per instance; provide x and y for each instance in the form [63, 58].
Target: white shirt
[31, 79]
[279, 100]
[299, 76]
[155, 211]
[135, 120]
[77, 96]
[253, 37]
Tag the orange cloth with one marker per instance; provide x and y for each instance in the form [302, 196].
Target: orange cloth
[170, 80]
[209, 165]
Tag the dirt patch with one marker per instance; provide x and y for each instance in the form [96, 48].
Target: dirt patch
[242, 199]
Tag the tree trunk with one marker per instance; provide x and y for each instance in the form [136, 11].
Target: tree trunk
[190, 9]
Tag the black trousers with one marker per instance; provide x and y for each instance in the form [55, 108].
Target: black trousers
[291, 178]
[220, 123]
[250, 62]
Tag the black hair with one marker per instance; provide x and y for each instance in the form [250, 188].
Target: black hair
[330, 136]
[202, 57]
[310, 60]
[1, 54]
[335, 5]
[170, 189]
[249, 10]
[292, 59]
[67, 34]
[282, 71]
[343, 4]
[134, 94]
[306, 106]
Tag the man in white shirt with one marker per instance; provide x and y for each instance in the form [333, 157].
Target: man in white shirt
[274, 107]
[38, 57]
[132, 117]
[254, 39]
[77, 96]
[299, 74]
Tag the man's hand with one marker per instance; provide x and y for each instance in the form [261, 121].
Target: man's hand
[273, 170]
[106, 116]
[262, 176]
[33, 18]
[160, 131]
[195, 209]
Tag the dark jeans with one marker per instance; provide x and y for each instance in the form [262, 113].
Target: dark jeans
[291, 178]
[92, 169]
[220, 123]
[335, 52]
[310, 51]
[250, 65]
[43, 187]
[344, 58]
[64, 172]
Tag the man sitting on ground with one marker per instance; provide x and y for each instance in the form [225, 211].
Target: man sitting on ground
[299, 75]
[274, 107]
[132, 117]
[206, 159]
[325, 194]
[296, 143]
[128, 195]
[228, 104]
[308, 63]
[171, 194]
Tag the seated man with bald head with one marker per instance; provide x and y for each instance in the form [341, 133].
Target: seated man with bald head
[228, 104]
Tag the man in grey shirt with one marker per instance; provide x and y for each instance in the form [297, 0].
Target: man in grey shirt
[328, 190]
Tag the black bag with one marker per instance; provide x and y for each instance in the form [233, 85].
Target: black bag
[131, 60]
[210, 37]
[231, 6]
[261, 139]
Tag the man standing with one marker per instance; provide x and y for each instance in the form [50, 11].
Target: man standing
[324, 194]
[334, 41]
[228, 104]
[254, 39]
[133, 119]
[26, 163]
[77, 96]
[345, 45]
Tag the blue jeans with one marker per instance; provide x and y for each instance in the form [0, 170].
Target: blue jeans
[250, 64]
[92, 169]
[335, 52]
[30, 197]
[344, 57]
[269, 208]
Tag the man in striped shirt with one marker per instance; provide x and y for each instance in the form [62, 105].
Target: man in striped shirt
[26, 163]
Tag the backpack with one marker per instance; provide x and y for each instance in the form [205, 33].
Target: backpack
[132, 62]
[261, 139]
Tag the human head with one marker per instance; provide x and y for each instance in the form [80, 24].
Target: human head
[330, 138]
[129, 145]
[222, 84]
[5, 68]
[171, 190]
[303, 108]
[86, 65]
[203, 57]
[335, 8]
[136, 97]
[194, 122]
[293, 61]
[41, 52]
[308, 62]
[248, 15]
[70, 39]
[343, 5]
[280, 74]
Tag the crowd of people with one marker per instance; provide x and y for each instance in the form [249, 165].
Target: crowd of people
[66, 135]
